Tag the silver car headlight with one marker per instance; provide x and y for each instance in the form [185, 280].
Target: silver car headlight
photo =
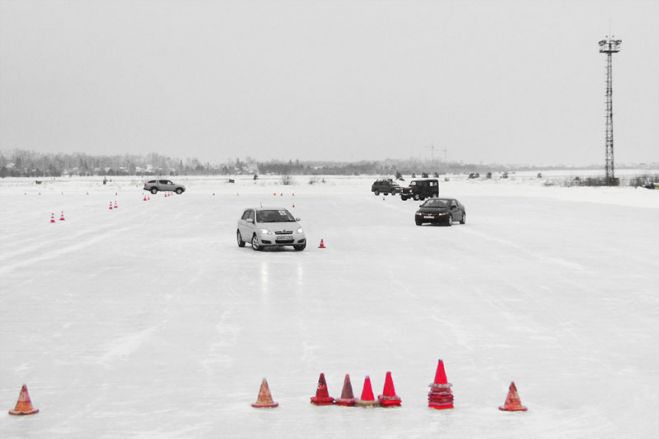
[299, 230]
[266, 232]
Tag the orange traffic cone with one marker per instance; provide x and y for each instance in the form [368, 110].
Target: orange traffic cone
[264, 400]
[322, 244]
[61, 217]
[347, 397]
[389, 397]
[23, 405]
[322, 395]
[513, 402]
[52, 218]
[367, 399]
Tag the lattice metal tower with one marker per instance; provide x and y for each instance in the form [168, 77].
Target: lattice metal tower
[609, 46]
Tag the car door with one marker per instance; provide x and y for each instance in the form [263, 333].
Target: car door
[455, 211]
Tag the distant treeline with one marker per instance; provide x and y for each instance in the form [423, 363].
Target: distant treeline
[20, 163]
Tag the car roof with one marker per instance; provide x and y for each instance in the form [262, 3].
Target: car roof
[424, 179]
[267, 208]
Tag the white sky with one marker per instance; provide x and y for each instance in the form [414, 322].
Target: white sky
[492, 81]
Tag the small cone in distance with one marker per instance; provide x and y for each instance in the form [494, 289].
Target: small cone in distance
[513, 402]
[61, 217]
[347, 397]
[144, 199]
[322, 395]
[23, 405]
[322, 244]
[440, 396]
[389, 397]
[367, 399]
[264, 400]
[116, 206]
[110, 206]
[52, 218]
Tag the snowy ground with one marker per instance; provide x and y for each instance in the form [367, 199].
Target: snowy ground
[148, 321]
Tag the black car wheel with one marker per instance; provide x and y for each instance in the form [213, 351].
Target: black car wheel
[179, 191]
[255, 243]
[464, 218]
[154, 190]
[376, 193]
[449, 221]
[300, 247]
[416, 197]
[239, 238]
[418, 223]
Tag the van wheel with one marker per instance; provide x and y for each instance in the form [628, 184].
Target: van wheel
[449, 222]
[239, 238]
[376, 193]
[255, 243]
[464, 218]
[416, 197]
[154, 190]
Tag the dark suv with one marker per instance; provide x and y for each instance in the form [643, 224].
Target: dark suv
[420, 189]
[441, 210]
[385, 186]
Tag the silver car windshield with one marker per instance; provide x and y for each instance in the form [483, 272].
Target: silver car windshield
[274, 216]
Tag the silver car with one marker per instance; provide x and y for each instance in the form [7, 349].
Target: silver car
[270, 227]
[154, 186]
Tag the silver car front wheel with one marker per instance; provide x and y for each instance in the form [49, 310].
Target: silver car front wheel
[255, 243]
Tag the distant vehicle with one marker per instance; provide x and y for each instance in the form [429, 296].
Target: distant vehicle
[504, 175]
[271, 227]
[473, 175]
[442, 211]
[154, 186]
[385, 186]
[420, 189]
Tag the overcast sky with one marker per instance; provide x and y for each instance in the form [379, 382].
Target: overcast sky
[490, 81]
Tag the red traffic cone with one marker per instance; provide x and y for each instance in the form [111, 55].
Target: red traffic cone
[264, 400]
[367, 399]
[440, 396]
[52, 218]
[116, 206]
[389, 397]
[61, 217]
[513, 402]
[322, 244]
[23, 405]
[144, 199]
[322, 395]
[347, 397]
[110, 206]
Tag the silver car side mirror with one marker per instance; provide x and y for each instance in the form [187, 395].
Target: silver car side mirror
[298, 219]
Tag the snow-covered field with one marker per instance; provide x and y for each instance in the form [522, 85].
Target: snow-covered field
[148, 321]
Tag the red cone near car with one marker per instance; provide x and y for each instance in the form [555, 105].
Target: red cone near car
[389, 397]
[347, 397]
[322, 395]
[440, 396]
[322, 244]
[24, 404]
[264, 400]
[513, 402]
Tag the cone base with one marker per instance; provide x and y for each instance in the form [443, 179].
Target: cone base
[322, 400]
[345, 402]
[389, 401]
[258, 405]
[362, 403]
[440, 406]
[23, 412]
[513, 409]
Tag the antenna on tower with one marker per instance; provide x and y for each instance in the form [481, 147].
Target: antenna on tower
[609, 46]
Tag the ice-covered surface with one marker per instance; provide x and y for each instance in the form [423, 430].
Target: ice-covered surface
[148, 321]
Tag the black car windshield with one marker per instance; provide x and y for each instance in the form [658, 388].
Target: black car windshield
[437, 202]
[274, 216]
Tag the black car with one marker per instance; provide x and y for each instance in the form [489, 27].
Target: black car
[420, 189]
[385, 186]
[440, 210]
